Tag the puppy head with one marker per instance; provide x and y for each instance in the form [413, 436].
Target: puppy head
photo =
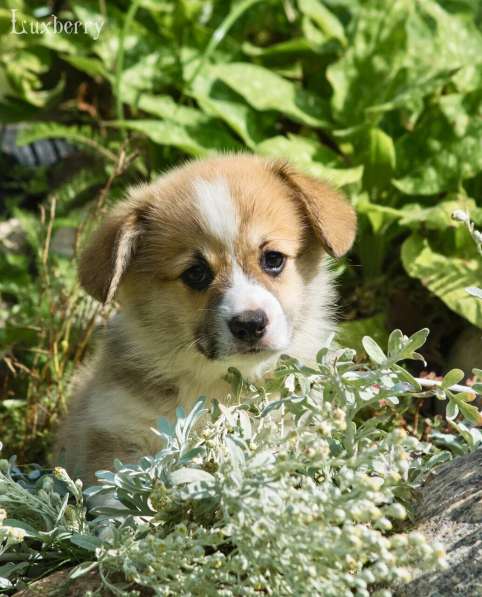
[217, 257]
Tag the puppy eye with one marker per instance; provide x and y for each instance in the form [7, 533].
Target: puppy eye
[198, 277]
[273, 262]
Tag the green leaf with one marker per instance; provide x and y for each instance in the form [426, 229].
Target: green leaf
[198, 140]
[379, 163]
[444, 149]
[395, 342]
[447, 277]
[416, 341]
[439, 216]
[312, 157]
[470, 412]
[77, 135]
[407, 377]
[90, 66]
[217, 99]
[87, 542]
[373, 350]
[82, 569]
[265, 90]
[324, 18]
[288, 48]
[397, 54]
[30, 531]
[451, 378]
[452, 410]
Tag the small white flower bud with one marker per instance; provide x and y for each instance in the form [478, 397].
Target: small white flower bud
[416, 538]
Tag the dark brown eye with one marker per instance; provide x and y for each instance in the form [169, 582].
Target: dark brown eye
[198, 276]
[273, 262]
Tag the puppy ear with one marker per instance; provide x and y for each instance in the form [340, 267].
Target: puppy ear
[109, 253]
[332, 218]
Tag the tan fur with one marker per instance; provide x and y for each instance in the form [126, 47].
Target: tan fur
[150, 359]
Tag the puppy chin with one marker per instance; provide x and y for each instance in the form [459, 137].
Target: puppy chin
[256, 353]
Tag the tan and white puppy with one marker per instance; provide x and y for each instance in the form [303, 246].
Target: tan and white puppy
[219, 263]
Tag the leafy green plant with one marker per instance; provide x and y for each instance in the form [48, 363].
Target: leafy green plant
[344, 90]
[296, 486]
[385, 103]
[461, 216]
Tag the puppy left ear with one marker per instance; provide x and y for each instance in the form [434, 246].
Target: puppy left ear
[109, 252]
[332, 218]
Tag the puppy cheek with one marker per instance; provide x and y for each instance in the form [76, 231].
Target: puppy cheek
[212, 334]
[278, 336]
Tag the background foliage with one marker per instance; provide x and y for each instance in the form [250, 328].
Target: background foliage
[383, 99]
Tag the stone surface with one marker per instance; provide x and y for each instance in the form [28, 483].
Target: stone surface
[59, 584]
[450, 511]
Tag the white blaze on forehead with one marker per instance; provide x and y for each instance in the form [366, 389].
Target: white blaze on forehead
[216, 208]
[245, 294]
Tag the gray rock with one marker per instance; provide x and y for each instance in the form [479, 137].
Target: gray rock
[450, 511]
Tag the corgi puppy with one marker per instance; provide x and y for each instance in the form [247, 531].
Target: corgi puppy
[219, 263]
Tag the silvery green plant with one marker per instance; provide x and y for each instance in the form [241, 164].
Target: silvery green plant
[297, 486]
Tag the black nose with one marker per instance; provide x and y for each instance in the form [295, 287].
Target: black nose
[249, 325]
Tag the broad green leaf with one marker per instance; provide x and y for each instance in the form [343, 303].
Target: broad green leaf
[150, 72]
[444, 149]
[90, 66]
[324, 18]
[380, 159]
[235, 12]
[312, 157]
[438, 217]
[217, 99]
[356, 77]
[166, 108]
[447, 277]
[265, 90]
[301, 150]
[138, 43]
[397, 54]
[199, 140]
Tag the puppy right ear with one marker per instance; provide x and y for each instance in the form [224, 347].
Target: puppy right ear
[109, 252]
